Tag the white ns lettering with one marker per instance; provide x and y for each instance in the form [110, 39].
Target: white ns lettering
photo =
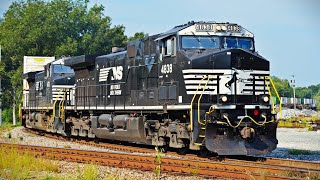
[117, 73]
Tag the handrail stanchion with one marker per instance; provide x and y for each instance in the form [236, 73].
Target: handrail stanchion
[191, 105]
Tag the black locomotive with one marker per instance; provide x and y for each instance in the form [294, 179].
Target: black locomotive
[198, 86]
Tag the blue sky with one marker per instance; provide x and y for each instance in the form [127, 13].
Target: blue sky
[286, 31]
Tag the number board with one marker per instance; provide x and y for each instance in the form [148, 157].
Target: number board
[233, 28]
[211, 27]
[204, 27]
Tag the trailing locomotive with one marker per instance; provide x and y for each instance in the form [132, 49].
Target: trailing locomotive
[199, 86]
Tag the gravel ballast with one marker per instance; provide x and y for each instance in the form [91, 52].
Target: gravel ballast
[289, 138]
[302, 140]
[18, 136]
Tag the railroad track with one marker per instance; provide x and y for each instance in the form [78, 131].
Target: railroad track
[169, 165]
[256, 167]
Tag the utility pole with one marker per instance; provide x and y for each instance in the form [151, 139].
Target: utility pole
[0, 95]
[293, 83]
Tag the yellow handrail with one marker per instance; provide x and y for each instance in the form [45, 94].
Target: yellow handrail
[61, 101]
[54, 105]
[280, 100]
[270, 93]
[205, 87]
[277, 94]
[259, 124]
[194, 96]
[62, 108]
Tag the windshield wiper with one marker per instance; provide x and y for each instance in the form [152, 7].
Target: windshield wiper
[210, 36]
[194, 35]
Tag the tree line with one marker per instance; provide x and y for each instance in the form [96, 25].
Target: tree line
[66, 28]
[285, 89]
[51, 28]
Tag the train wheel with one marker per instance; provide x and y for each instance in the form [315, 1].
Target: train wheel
[183, 150]
[68, 130]
[164, 148]
[96, 140]
[204, 152]
[87, 139]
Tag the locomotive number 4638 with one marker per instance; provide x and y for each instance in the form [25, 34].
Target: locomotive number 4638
[166, 69]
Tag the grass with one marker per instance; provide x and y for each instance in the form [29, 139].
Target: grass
[90, 172]
[301, 175]
[9, 125]
[298, 122]
[158, 162]
[18, 165]
[5, 127]
[302, 152]
[67, 146]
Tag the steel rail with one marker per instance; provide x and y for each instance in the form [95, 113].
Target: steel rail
[148, 163]
[276, 163]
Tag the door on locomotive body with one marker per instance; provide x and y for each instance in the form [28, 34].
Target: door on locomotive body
[110, 74]
[168, 70]
[150, 73]
[102, 71]
[145, 92]
[119, 72]
[40, 91]
[48, 83]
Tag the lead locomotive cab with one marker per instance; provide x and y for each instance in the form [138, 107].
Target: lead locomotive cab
[213, 68]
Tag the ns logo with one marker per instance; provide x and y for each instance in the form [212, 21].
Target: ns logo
[117, 73]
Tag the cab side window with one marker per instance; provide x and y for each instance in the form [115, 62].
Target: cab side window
[168, 46]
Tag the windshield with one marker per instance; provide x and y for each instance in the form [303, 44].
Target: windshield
[62, 69]
[234, 42]
[200, 42]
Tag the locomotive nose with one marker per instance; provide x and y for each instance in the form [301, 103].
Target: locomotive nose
[228, 59]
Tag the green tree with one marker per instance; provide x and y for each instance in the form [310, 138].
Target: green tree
[317, 97]
[137, 35]
[51, 28]
[283, 87]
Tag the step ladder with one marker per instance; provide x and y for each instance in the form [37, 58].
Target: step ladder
[201, 135]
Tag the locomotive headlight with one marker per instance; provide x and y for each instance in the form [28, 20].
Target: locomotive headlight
[218, 28]
[224, 98]
[265, 98]
[224, 28]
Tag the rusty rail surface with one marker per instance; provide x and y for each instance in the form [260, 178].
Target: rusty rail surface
[275, 162]
[169, 165]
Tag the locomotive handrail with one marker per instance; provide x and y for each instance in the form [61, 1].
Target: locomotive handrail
[204, 88]
[61, 107]
[54, 104]
[277, 94]
[257, 123]
[193, 98]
